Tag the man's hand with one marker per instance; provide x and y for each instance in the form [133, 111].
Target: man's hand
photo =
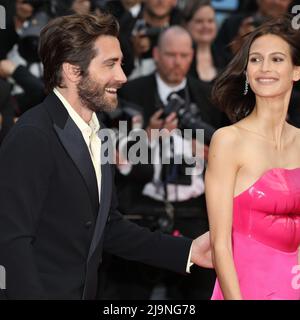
[154, 123]
[7, 68]
[201, 252]
[171, 122]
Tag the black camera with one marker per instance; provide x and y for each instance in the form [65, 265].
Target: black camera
[144, 30]
[188, 116]
[125, 111]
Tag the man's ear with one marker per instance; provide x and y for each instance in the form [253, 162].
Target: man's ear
[71, 72]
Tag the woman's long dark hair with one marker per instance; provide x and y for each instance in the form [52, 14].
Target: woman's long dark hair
[228, 89]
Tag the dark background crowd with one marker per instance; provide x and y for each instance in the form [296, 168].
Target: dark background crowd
[173, 52]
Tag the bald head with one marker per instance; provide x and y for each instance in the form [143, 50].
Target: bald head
[174, 34]
[173, 55]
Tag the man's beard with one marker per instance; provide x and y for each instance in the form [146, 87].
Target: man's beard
[92, 96]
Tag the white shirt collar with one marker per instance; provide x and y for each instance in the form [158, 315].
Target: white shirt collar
[164, 89]
[135, 10]
[86, 128]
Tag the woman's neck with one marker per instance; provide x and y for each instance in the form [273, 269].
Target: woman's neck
[269, 118]
[203, 47]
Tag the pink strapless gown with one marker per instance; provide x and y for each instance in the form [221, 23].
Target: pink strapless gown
[266, 236]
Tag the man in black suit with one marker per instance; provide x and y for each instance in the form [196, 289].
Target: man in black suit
[143, 189]
[58, 205]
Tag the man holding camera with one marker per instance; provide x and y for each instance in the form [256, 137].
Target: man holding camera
[158, 196]
[140, 34]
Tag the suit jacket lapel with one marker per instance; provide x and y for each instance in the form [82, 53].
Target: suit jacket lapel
[105, 202]
[73, 142]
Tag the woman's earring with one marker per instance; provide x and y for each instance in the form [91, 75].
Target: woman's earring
[246, 87]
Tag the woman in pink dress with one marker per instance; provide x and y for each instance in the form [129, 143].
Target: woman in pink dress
[254, 171]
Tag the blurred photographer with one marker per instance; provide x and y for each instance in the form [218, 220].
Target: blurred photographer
[19, 62]
[161, 195]
[120, 8]
[139, 34]
[67, 7]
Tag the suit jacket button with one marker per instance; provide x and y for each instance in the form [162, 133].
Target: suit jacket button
[88, 224]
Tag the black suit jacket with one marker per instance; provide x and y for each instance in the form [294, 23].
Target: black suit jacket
[52, 228]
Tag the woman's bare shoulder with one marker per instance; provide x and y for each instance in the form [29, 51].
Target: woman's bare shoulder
[225, 151]
[228, 136]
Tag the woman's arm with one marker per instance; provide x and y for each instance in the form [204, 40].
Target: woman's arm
[219, 182]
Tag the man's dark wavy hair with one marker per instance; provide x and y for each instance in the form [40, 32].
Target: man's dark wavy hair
[71, 39]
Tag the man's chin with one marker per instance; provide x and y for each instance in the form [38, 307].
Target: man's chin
[108, 106]
[111, 105]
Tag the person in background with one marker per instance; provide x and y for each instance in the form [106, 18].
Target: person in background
[120, 8]
[139, 34]
[200, 21]
[233, 29]
[33, 87]
[17, 60]
[66, 7]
